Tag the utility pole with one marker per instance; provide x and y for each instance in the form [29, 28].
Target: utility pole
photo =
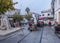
[53, 9]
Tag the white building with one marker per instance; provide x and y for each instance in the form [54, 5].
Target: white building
[12, 12]
[35, 16]
[46, 16]
[56, 10]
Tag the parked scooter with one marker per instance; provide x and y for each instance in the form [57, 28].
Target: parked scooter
[32, 27]
[57, 29]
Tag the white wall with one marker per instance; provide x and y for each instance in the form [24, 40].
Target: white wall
[46, 14]
[57, 10]
[57, 15]
[35, 20]
[57, 4]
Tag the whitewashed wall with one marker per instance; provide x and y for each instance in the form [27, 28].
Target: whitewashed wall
[57, 10]
[35, 20]
[46, 14]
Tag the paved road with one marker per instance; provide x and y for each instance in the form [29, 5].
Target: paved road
[49, 36]
[46, 35]
[43, 35]
[34, 37]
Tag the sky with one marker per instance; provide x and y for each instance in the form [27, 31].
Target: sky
[34, 5]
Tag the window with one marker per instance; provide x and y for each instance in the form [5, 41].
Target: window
[42, 14]
[48, 14]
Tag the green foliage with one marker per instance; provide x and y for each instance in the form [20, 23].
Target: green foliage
[6, 5]
[17, 17]
[27, 10]
[28, 17]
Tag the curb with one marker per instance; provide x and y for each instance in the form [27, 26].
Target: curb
[10, 33]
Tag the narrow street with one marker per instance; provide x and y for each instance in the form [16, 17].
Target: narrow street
[46, 35]
[34, 37]
[30, 21]
[43, 35]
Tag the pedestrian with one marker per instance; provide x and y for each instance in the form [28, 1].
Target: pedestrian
[50, 23]
[30, 25]
[19, 24]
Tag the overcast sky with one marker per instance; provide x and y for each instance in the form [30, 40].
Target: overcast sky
[34, 5]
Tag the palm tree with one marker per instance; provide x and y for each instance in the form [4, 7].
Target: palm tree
[27, 10]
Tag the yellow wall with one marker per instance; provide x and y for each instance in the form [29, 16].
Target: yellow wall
[59, 18]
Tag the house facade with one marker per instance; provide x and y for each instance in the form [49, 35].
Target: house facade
[35, 16]
[10, 14]
[46, 16]
[56, 10]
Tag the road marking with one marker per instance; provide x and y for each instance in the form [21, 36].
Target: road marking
[23, 37]
[41, 35]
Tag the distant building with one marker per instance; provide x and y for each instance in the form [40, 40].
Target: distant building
[35, 16]
[56, 10]
[46, 16]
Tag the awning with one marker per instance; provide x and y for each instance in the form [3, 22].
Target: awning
[42, 18]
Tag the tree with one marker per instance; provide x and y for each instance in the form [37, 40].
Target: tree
[28, 17]
[6, 5]
[27, 10]
[17, 17]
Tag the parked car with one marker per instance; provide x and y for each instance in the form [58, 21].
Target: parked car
[57, 29]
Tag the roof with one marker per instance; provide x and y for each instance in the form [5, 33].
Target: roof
[46, 11]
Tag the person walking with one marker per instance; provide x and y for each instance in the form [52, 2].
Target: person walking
[19, 24]
[30, 25]
[50, 23]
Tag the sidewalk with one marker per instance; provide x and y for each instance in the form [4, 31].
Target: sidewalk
[16, 36]
[9, 31]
